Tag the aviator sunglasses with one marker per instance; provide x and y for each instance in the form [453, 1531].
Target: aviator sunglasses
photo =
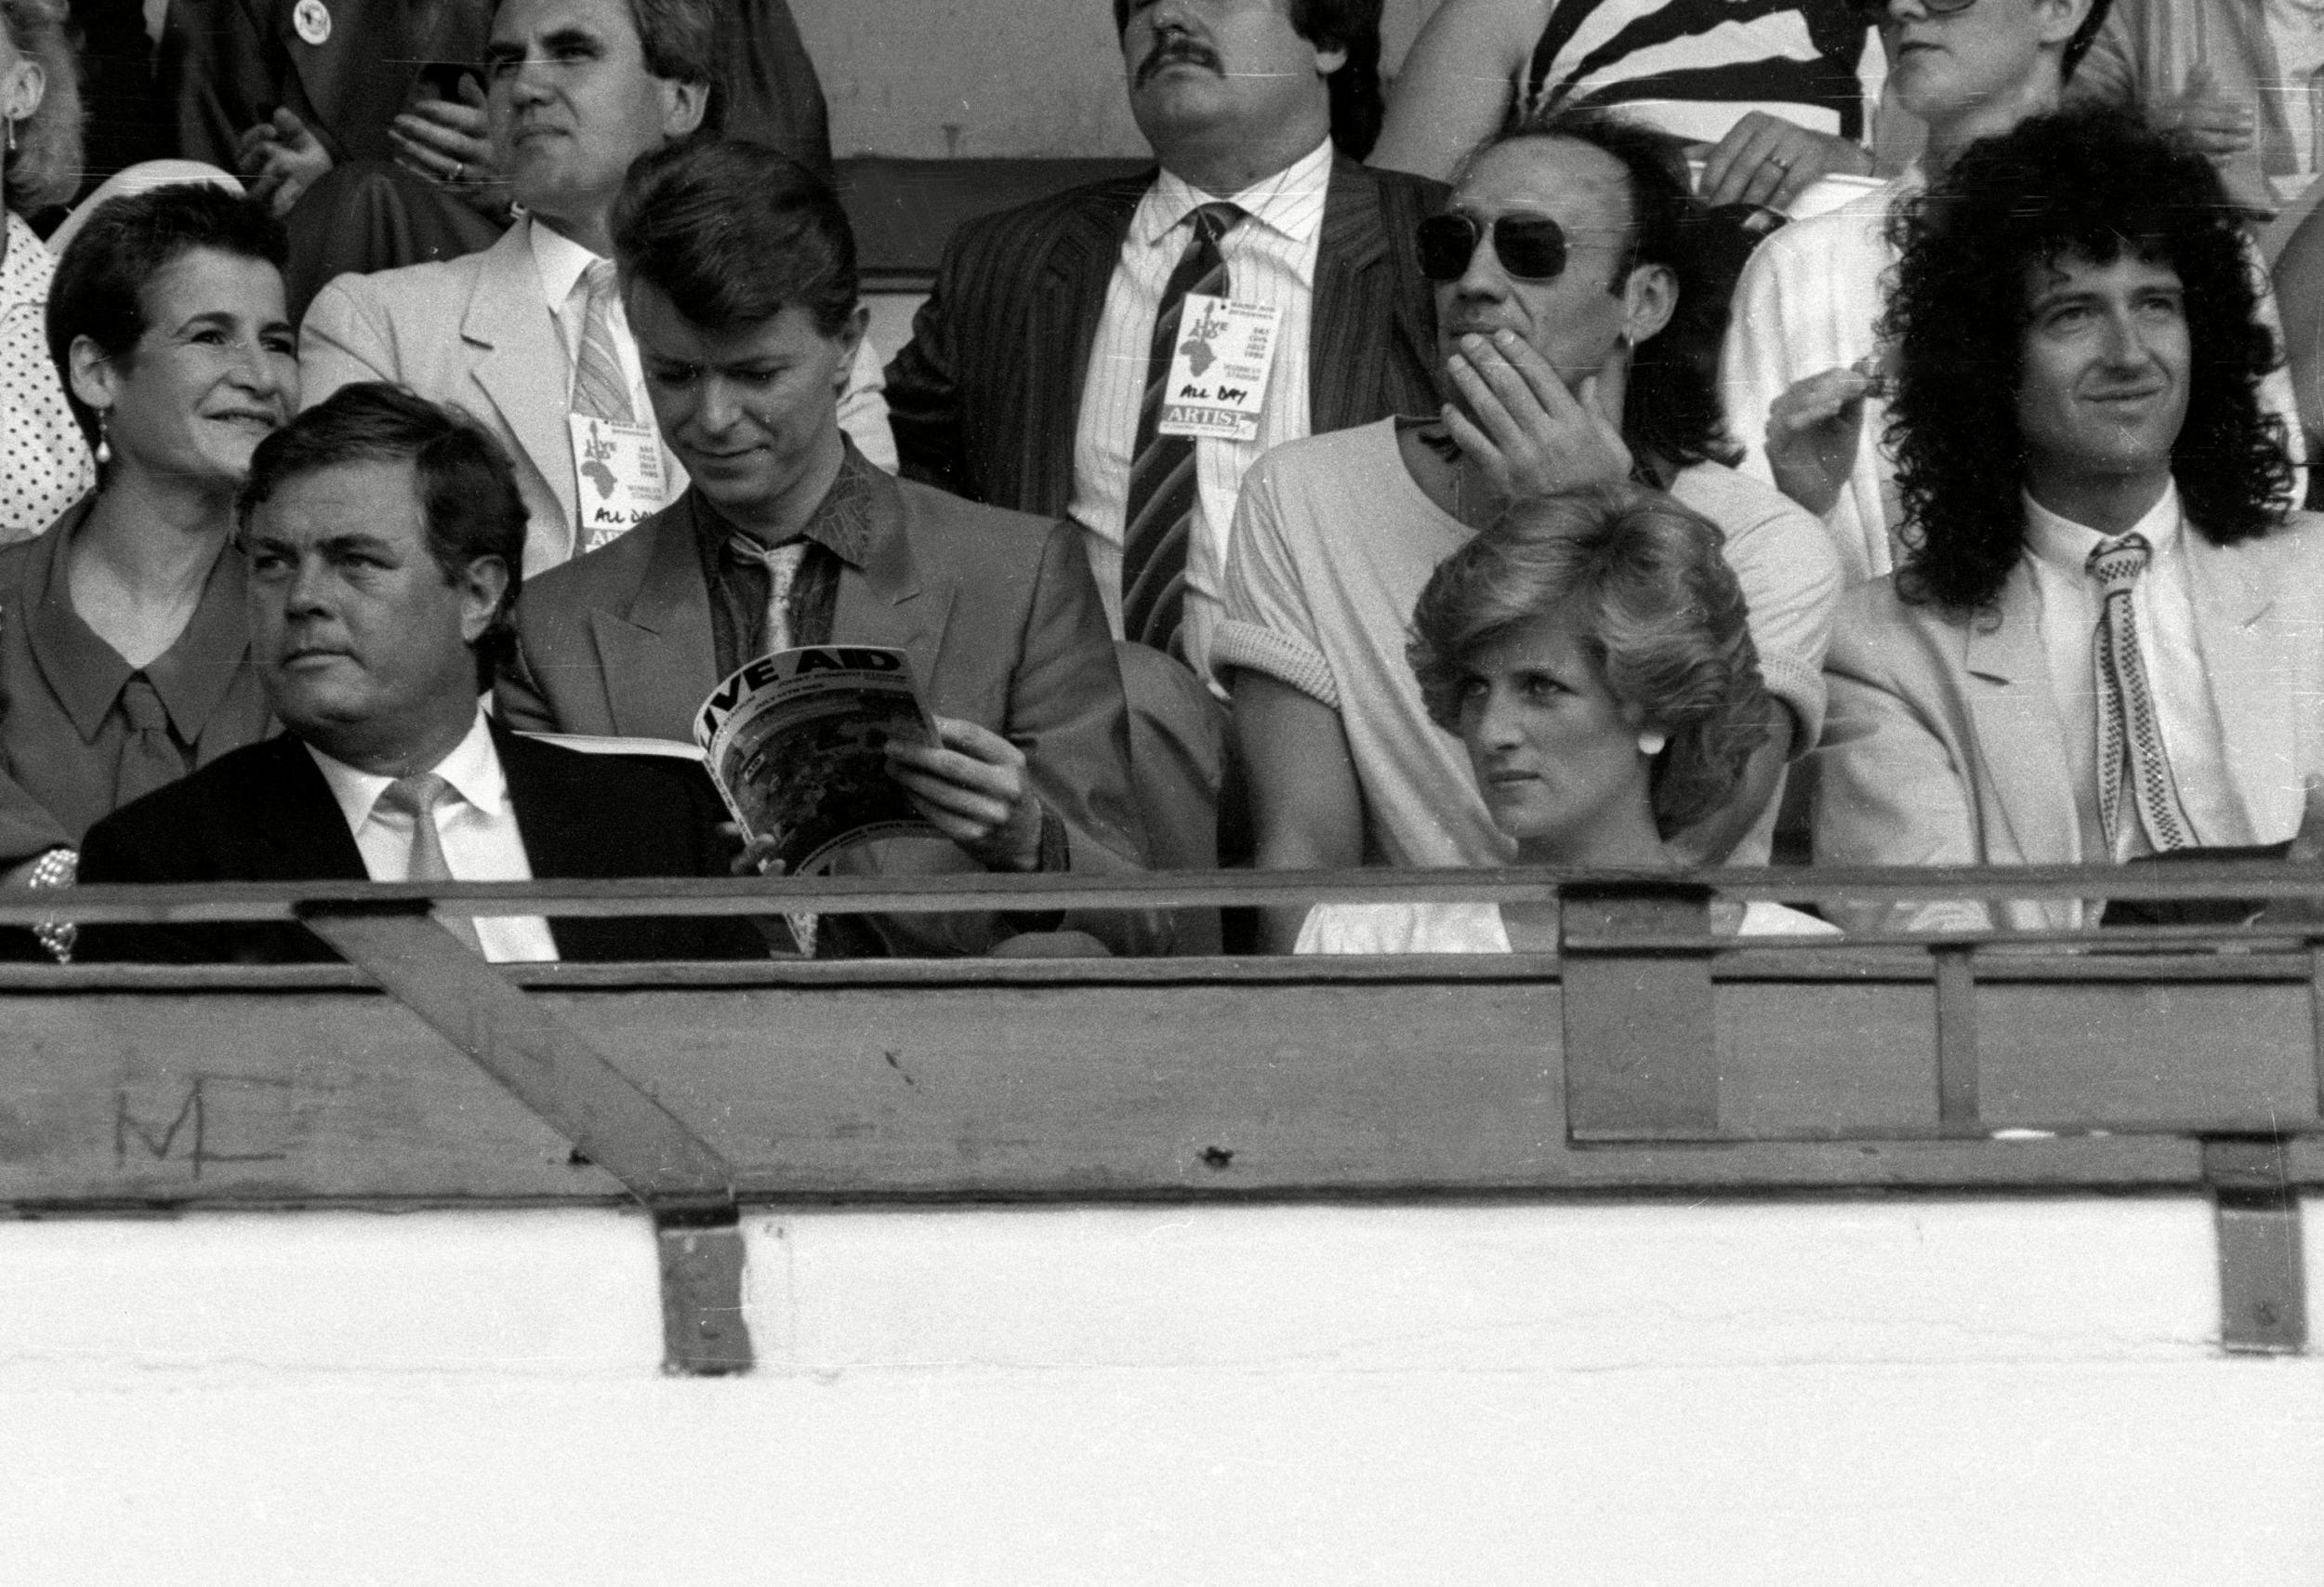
[1531, 248]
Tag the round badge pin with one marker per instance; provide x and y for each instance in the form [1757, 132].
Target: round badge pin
[312, 20]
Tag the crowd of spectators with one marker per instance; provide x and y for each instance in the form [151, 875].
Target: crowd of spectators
[1806, 431]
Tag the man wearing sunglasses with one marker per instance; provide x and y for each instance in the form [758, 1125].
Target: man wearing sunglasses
[1573, 339]
[1032, 376]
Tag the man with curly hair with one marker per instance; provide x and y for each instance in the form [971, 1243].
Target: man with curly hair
[2107, 625]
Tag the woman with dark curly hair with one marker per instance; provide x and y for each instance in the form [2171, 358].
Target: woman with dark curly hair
[1589, 651]
[2106, 634]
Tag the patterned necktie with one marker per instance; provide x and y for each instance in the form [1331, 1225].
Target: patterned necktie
[2128, 728]
[150, 758]
[1159, 513]
[782, 564]
[600, 389]
[416, 797]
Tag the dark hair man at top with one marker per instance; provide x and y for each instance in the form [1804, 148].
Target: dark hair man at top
[383, 534]
[529, 335]
[739, 271]
[2116, 647]
[1027, 378]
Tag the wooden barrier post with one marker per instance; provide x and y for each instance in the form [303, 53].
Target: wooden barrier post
[1641, 1054]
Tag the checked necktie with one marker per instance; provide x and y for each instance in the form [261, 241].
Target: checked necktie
[2127, 730]
[416, 797]
[1159, 513]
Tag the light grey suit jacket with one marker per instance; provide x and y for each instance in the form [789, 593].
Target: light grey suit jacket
[476, 332]
[1941, 747]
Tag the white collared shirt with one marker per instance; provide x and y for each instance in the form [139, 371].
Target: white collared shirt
[1270, 258]
[477, 829]
[2170, 642]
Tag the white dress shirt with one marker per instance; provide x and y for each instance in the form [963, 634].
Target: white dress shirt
[476, 823]
[2068, 608]
[1270, 258]
[562, 262]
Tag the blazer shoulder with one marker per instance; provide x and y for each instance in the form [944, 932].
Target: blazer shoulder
[1403, 190]
[1032, 224]
[440, 287]
[970, 528]
[607, 576]
[213, 803]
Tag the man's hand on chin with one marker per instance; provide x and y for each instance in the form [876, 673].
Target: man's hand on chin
[972, 787]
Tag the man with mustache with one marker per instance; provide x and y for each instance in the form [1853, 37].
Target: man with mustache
[1026, 383]
[2113, 649]
[530, 335]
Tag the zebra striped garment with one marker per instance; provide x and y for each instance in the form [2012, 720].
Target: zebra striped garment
[1696, 67]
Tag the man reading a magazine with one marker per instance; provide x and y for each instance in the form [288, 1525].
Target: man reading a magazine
[738, 273]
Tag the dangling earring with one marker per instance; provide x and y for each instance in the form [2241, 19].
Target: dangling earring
[11, 134]
[104, 439]
[1651, 742]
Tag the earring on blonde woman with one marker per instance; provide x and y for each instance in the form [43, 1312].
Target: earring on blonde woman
[11, 134]
[1651, 742]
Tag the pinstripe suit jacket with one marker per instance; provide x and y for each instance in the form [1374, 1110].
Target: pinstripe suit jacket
[984, 398]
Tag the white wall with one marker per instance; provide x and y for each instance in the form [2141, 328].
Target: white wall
[989, 78]
[1940, 1392]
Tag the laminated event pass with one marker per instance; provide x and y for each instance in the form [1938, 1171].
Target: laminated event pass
[618, 468]
[1217, 380]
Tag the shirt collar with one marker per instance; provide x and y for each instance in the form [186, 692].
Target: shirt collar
[473, 768]
[191, 678]
[1291, 202]
[841, 522]
[2065, 545]
[559, 261]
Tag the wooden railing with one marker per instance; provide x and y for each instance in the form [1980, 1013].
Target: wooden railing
[1648, 1056]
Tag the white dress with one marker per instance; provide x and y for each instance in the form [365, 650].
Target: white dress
[1476, 928]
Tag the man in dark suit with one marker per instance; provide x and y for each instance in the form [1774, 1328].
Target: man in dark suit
[384, 538]
[1026, 382]
[738, 270]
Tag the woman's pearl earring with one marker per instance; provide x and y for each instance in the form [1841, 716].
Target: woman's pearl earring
[1651, 742]
[104, 439]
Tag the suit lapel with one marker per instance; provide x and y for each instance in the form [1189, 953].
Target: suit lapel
[294, 829]
[1068, 301]
[2016, 720]
[2253, 664]
[884, 604]
[1354, 297]
[659, 660]
[522, 367]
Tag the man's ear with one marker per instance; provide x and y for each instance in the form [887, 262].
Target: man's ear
[2057, 20]
[851, 338]
[482, 587]
[683, 106]
[1649, 298]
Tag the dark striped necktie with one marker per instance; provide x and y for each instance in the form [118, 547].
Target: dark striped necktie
[1159, 511]
[2130, 731]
